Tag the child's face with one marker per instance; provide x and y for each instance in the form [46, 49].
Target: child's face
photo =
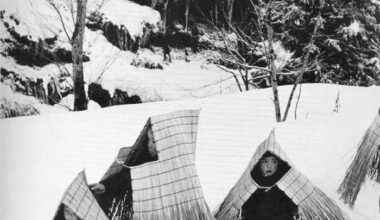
[268, 166]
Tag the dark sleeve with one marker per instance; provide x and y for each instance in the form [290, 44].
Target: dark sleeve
[250, 207]
[248, 213]
[285, 216]
[287, 209]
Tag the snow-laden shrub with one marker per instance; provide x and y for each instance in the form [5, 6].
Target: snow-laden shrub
[146, 63]
[14, 104]
[121, 97]
[10, 108]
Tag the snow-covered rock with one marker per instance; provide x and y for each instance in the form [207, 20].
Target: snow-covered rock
[91, 106]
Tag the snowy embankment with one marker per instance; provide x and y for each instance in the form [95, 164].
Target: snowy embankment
[40, 155]
[193, 77]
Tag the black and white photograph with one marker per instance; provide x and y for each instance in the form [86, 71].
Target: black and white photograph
[190, 109]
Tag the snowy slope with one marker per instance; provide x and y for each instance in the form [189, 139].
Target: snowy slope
[129, 14]
[179, 80]
[40, 20]
[40, 155]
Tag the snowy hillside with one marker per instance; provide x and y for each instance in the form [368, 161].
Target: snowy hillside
[39, 20]
[36, 21]
[40, 155]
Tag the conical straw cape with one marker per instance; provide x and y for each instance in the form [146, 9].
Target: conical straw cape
[312, 203]
[366, 163]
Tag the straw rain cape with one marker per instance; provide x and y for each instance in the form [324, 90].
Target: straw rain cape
[159, 176]
[312, 203]
[366, 163]
[79, 203]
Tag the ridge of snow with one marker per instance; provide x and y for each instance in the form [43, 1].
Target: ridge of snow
[37, 168]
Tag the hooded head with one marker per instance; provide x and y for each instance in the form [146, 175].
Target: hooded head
[269, 170]
[268, 165]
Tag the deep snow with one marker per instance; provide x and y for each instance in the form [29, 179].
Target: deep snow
[40, 155]
[195, 77]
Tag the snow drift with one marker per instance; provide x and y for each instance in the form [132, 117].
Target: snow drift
[40, 155]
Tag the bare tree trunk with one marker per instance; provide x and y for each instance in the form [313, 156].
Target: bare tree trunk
[298, 99]
[270, 57]
[216, 12]
[304, 65]
[230, 8]
[165, 14]
[187, 14]
[80, 101]
[273, 79]
[245, 79]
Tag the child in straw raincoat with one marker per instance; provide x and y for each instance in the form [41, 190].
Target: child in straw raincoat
[269, 202]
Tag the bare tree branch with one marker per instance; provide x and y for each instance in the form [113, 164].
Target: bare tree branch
[70, 5]
[106, 66]
[298, 99]
[300, 74]
[210, 84]
[233, 74]
[55, 7]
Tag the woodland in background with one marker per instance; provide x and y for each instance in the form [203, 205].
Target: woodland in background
[347, 45]
[346, 49]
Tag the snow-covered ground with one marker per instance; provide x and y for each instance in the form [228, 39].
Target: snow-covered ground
[186, 77]
[180, 79]
[40, 155]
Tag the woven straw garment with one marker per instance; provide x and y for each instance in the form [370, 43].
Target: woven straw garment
[79, 201]
[312, 202]
[366, 163]
[167, 188]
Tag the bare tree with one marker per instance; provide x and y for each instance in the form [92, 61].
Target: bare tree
[230, 9]
[270, 57]
[80, 100]
[215, 12]
[165, 14]
[78, 18]
[243, 65]
[263, 38]
[187, 15]
[318, 24]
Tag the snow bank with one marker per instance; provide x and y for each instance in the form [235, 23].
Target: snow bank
[19, 102]
[131, 15]
[41, 155]
[40, 20]
[37, 18]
